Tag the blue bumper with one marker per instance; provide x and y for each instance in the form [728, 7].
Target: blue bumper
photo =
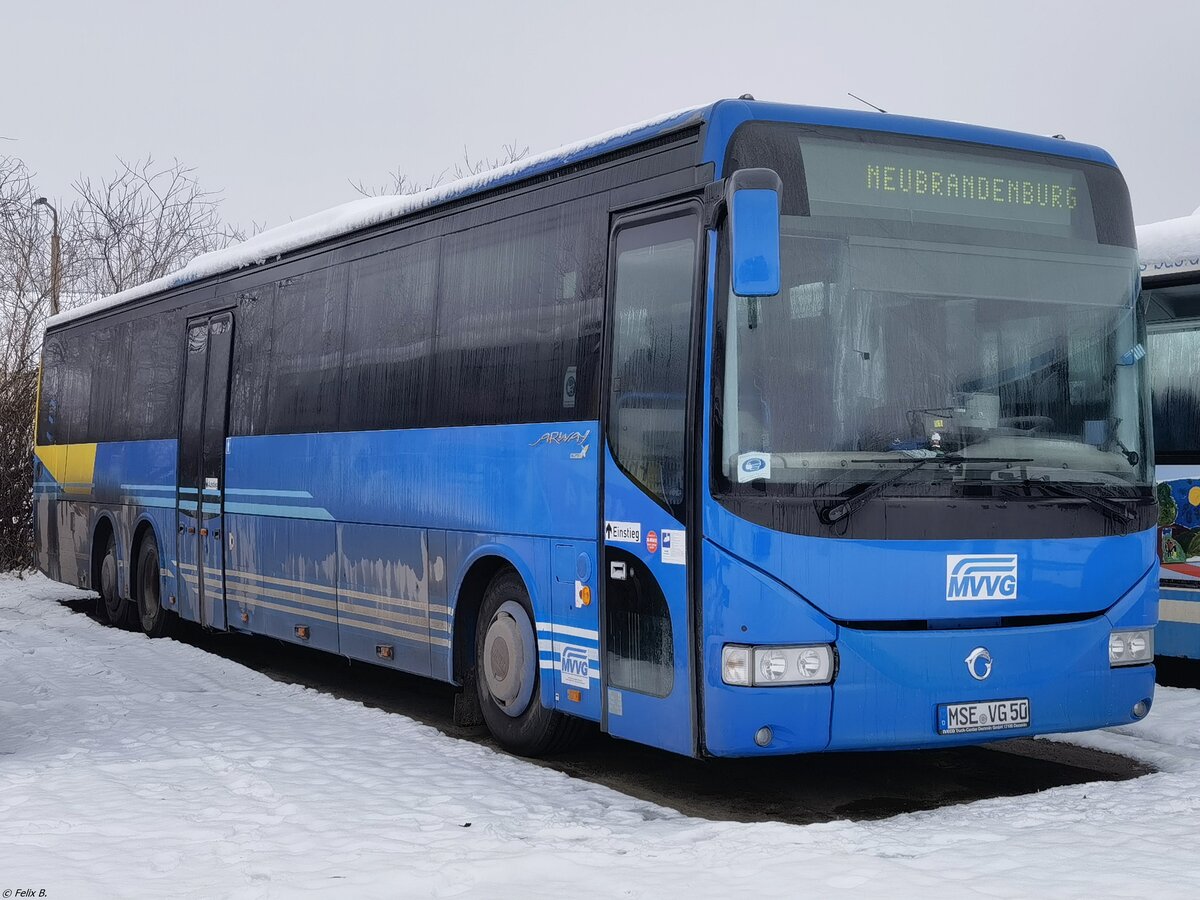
[890, 683]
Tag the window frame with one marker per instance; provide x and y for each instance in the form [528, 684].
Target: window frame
[693, 437]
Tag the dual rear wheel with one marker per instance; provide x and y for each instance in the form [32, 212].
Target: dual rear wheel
[145, 610]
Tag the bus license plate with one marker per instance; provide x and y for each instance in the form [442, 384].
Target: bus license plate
[988, 715]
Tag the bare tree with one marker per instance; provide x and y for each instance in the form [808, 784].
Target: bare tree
[138, 225]
[24, 267]
[142, 223]
[24, 298]
[401, 183]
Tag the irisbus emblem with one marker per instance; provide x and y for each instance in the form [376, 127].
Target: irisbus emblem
[981, 576]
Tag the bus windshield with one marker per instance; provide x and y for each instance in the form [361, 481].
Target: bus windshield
[936, 300]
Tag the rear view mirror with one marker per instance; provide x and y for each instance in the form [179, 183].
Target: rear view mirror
[753, 197]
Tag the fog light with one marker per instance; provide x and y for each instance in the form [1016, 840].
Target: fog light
[1141, 708]
[735, 664]
[763, 736]
[1131, 648]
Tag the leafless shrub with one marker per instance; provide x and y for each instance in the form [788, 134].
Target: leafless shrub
[17, 392]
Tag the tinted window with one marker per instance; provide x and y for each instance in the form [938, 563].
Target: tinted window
[153, 362]
[517, 329]
[252, 348]
[652, 306]
[389, 337]
[193, 403]
[304, 380]
[108, 413]
[51, 423]
[77, 385]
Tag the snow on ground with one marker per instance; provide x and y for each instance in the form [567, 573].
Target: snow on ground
[139, 768]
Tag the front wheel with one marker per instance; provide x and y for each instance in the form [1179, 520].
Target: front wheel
[508, 679]
[155, 620]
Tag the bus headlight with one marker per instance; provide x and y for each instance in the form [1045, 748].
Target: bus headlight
[1131, 648]
[771, 666]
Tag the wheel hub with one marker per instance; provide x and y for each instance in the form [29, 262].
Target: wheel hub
[108, 578]
[510, 658]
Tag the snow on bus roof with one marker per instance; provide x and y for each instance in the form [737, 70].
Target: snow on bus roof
[1170, 246]
[363, 213]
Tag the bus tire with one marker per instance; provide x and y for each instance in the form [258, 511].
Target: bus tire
[508, 677]
[156, 621]
[112, 608]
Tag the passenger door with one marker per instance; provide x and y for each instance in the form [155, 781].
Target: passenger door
[200, 500]
[646, 645]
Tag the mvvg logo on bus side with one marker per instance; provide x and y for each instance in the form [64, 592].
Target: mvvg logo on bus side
[575, 667]
[981, 576]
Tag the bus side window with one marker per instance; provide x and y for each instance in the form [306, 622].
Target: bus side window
[49, 428]
[652, 312]
[1176, 399]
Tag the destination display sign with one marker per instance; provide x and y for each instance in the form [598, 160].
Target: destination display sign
[846, 178]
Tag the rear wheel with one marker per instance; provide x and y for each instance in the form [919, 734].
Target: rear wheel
[508, 677]
[154, 619]
[113, 608]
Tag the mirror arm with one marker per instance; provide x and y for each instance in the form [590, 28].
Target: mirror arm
[715, 203]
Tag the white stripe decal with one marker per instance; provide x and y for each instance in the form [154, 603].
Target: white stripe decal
[569, 630]
[1187, 611]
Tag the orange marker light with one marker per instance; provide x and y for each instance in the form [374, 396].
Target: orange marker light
[573, 695]
[585, 595]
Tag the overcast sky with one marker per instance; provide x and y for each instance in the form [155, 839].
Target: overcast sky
[279, 105]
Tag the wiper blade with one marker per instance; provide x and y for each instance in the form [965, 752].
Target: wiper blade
[831, 515]
[1116, 512]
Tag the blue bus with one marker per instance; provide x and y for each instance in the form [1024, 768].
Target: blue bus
[1170, 260]
[756, 429]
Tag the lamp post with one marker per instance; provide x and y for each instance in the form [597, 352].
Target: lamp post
[55, 258]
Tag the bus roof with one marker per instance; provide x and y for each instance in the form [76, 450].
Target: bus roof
[1170, 247]
[721, 119]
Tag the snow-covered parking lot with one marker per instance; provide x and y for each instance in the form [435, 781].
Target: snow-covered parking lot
[136, 768]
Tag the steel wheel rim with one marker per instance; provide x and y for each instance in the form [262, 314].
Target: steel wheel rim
[509, 661]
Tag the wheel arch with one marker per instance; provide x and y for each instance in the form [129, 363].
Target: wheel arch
[476, 573]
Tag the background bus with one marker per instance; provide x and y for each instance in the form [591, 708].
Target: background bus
[754, 429]
[1170, 259]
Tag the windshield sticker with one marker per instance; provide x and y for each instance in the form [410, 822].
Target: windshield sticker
[753, 465]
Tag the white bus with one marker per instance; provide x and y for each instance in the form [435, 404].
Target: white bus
[1170, 263]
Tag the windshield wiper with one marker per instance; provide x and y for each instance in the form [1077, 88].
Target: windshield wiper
[831, 515]
[1114, 511]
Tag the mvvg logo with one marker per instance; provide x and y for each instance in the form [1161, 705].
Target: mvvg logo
[575, 667]
[981, 576]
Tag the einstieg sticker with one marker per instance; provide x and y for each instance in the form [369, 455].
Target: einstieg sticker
[623, 532]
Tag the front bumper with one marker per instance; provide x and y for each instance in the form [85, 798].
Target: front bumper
[889, 683]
